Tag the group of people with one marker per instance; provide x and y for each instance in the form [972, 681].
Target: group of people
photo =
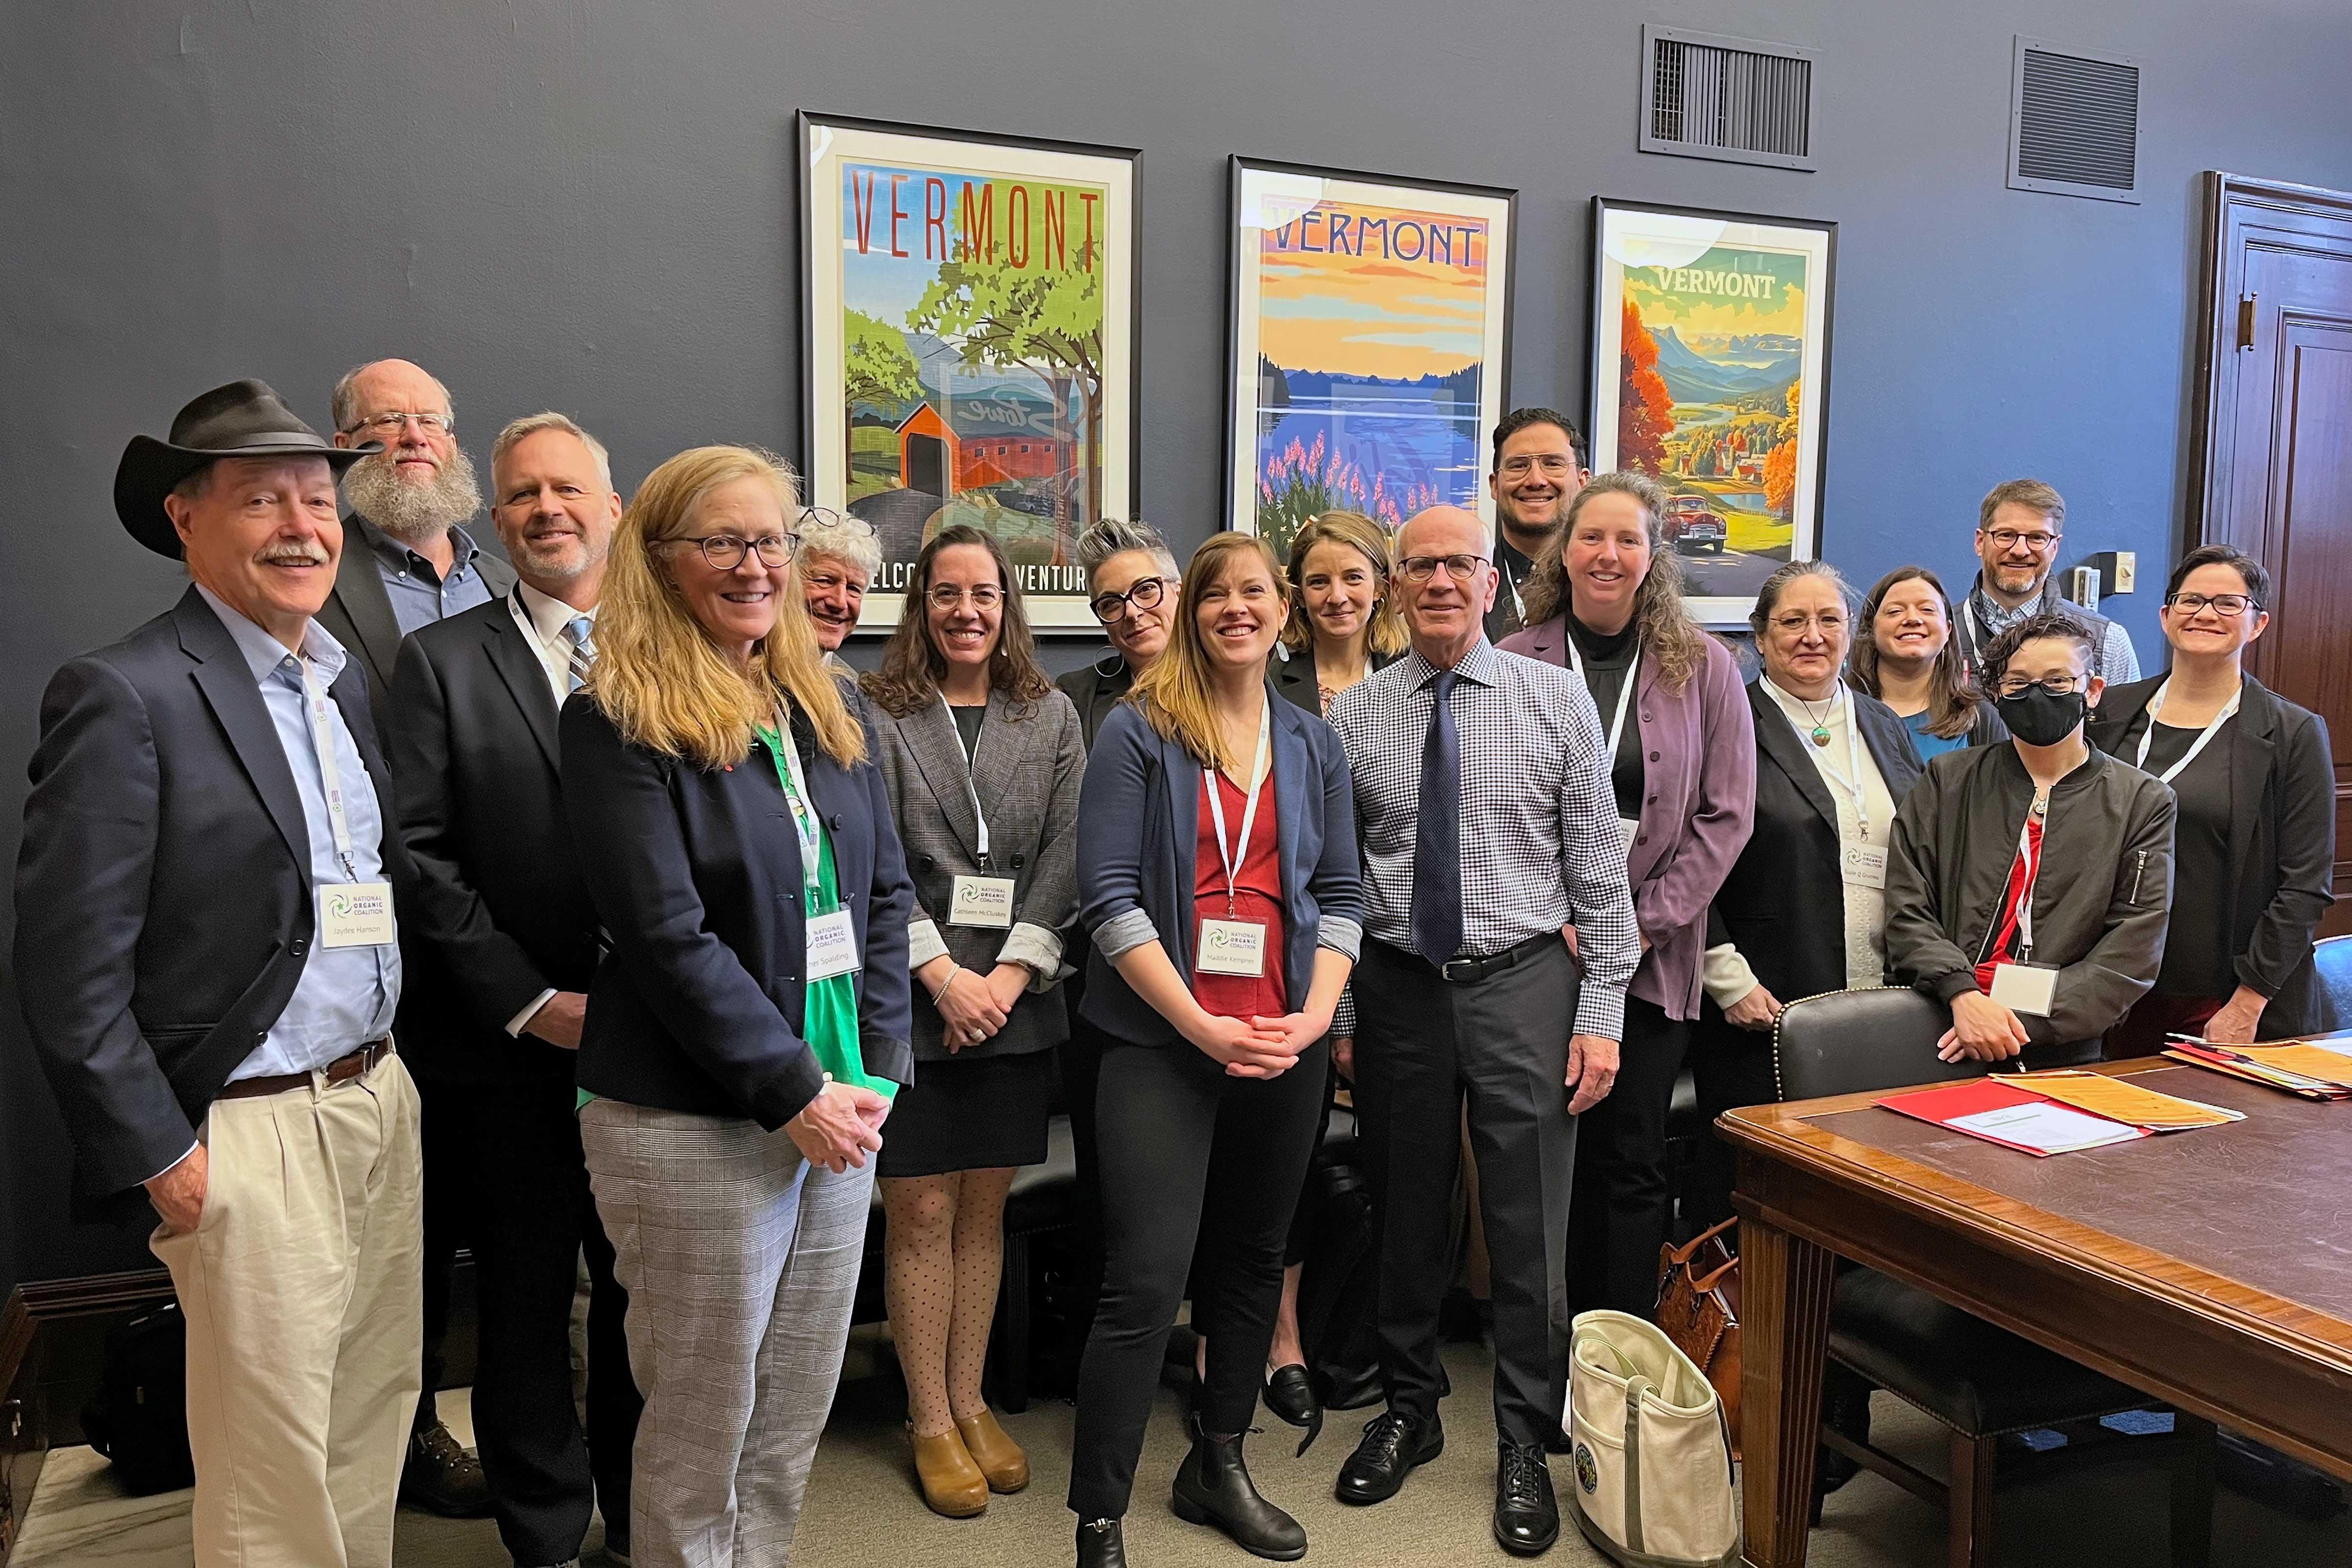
[381, 898]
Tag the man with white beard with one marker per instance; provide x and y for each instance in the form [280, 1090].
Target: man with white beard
[407, 562]
[408, 505]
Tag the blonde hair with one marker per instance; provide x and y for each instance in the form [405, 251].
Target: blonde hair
[659, 677]
[1174, 696]
[530, 425]
[1668, 635]
[1384, 632]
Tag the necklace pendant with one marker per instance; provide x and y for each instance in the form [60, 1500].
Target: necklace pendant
[1820, 736]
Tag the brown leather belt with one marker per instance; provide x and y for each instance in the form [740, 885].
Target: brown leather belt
[343, 1069]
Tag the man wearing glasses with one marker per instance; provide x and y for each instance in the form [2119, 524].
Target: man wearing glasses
[839, 555]
[1539, 468]
[2028, 884]
[2018, 529]
[407, 564]
[1493, 862]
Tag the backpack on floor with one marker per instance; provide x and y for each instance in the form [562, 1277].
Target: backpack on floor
[1650, 1450]
[1339, 1293]
[139, 1417]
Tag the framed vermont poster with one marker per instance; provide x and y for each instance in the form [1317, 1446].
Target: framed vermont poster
[1710, 370]
[1367, 360]
[967, 330]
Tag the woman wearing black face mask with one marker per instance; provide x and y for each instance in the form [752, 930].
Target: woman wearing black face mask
[2028, 884]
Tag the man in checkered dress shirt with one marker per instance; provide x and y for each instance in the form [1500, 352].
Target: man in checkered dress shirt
[1504, 1021]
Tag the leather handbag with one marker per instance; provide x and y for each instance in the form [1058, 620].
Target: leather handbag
[1698, 1308]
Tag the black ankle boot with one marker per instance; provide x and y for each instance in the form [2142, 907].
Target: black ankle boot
[1214, 1487]
[1100, 1545]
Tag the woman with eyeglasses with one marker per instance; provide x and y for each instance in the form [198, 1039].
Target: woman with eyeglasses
[1218, 870]
[983, 762]
[1608, 603]
[1132, 581]
[2255, 780]
[749, 1021]
[1905, 656]
[1804, 908]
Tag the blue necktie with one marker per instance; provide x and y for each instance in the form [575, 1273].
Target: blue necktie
[1437, 837]
[581, 632]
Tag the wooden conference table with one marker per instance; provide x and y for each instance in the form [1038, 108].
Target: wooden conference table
[2212, 1269]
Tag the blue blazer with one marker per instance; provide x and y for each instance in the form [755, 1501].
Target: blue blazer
[696, 875]
[1138, 829]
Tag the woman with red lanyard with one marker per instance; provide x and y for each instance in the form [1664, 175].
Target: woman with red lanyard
[1218, 874]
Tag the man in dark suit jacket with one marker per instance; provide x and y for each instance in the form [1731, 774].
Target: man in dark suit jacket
[506, 945]
[207, 961]
[411, 563]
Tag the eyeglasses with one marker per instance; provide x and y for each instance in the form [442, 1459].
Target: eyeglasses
[2229, 607]
[1112, 608]
[725, 551]
[839, 521]
[1796, 623]
[1520, 466]
[947, 596]
[2056, 685]
[391, 425]
[1420, 569]
[830, 582]
[2005, 539]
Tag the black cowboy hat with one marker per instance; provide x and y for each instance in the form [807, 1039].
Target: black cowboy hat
[243, 419]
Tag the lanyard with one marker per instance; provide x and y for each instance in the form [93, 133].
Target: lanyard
[1625, 693]
[805, 824]
[2033, 854]
[1855, 788]
[2212, 728]
[978, 816]
[322, 737]
[1258, 770]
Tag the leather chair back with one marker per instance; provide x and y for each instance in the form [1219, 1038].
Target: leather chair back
[2331, 960]
[1851, 1042]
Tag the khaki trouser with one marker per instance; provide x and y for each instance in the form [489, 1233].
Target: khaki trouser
[300, 1288]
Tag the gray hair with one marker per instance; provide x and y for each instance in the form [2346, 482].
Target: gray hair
[1115, 536]
[848, 541]
[532, 423]
[1768, 596]
[343, 406]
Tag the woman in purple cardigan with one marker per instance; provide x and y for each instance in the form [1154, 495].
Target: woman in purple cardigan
[1608, 603]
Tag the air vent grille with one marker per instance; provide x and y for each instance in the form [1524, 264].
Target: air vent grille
[1707, 96]
[2075, 123]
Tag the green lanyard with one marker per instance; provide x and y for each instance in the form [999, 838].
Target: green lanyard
[806, 826]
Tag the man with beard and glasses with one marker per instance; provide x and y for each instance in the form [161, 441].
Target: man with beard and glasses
[2018, 528]
[408, 505]
[505, 944]
[1539, 462]
[407, 562]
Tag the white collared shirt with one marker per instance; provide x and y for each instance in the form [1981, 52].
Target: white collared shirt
[542, 619]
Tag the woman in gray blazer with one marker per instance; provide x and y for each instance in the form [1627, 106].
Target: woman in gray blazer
[983, 761]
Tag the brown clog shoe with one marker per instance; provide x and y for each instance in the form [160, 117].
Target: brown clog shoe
[952, 1485]
[1000, 1458]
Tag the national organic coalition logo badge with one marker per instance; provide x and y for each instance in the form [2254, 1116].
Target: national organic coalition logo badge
[1588, 1470]
[340, 905]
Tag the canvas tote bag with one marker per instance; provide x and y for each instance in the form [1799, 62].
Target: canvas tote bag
[1650, 1451]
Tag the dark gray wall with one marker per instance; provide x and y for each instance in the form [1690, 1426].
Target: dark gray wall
[586, 204]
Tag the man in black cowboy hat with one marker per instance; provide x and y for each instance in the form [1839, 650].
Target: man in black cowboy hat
[207, 958]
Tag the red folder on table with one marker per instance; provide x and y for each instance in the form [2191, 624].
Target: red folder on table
[1968, 1107]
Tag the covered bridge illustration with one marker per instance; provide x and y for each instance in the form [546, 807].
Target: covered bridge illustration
[1001, 438]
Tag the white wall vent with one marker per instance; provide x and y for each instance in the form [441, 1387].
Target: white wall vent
[1707, 96]
[2073, 122]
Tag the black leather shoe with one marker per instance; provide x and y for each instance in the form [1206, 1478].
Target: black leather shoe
[1214, 1487]
[1291, 1396]
[1101, 1544]
[1393, 1443]
[1527, 1515]
[442, 1477]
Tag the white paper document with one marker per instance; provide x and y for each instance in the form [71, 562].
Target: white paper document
[2051, 1129]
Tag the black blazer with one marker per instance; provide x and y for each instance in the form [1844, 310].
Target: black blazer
[501, 913]
[1784, 902]
[1095, 689]
[2281, 838]
[358, 611]
[1295, 677]
[163, 894]
[696, 873]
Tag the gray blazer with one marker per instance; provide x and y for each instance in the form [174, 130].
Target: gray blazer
[1028, 772]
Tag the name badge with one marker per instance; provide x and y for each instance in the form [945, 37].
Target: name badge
[2026, 988]
[1232, 947]
[1863, 866]
[982, 902]
[356, 915]
[1631, 827]
[831, 945]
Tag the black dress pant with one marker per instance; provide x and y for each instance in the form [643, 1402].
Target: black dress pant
[1424, 1047]
[1622, 1210]
[1080, 1057]
[526, 1180]
[1732, 1067]
[1189, 1154]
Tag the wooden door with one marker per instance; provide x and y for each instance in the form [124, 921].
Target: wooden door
[2272, 464]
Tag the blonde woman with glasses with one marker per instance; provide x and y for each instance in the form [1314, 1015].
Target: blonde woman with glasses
[750, 1025]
